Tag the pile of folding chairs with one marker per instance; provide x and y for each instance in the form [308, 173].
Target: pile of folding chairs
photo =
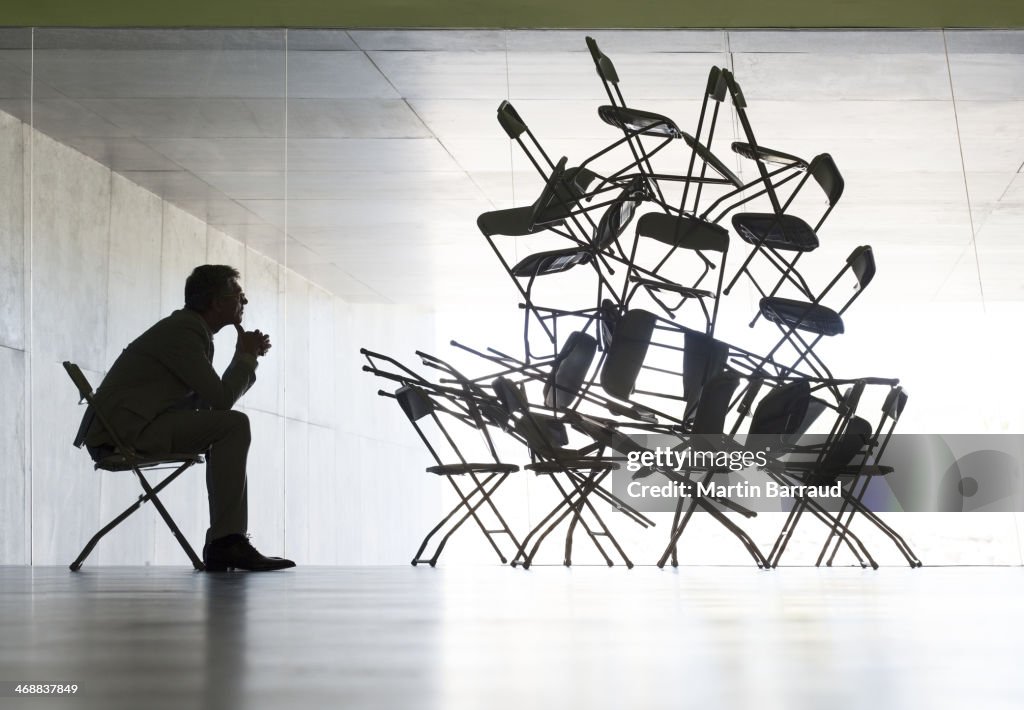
[644, 219]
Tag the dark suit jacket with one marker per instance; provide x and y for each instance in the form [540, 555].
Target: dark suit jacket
[167, 367]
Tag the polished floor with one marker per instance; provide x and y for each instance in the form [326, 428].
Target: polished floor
[403, 638]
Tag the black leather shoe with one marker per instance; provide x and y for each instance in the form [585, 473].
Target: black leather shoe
[236, 552]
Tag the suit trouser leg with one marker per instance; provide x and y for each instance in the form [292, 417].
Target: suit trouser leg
[224, 437]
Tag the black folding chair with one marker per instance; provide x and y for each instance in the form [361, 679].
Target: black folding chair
[689, 234]
[584, 469]
[119, 457]
[708, 434]
[772, 233]
[595, 250]
[848, 456]
[637, 124]
[794, 316]
[859, 477]
[486, 477]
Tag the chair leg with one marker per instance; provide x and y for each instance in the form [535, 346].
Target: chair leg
[678, 525]
[196, 562]
[570, 504]
[675, 526]
[594, 481]
[149, 496]
[897, 539]
[573, 502]
[77, 564]
[465, 502]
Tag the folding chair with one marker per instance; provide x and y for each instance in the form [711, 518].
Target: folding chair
[775, 232]
[119, 457]
[595, 250]
[793, 317]
[778, 230]
[823, 464]
[584, 469]
[708, 433]
[624, 360]
[417, 404]
[861, 474]
[688, 233]
[636, 124]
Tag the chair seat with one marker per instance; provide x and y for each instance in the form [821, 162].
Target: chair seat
[803, 315]
[685, 291]
[117, 462]
[768, 155]
[582, 464]
[785, 233]
[550, 262]
[458, 469]
[713, 160]
[684, 231]
[513, 222]
[647, 123]
[520, 221]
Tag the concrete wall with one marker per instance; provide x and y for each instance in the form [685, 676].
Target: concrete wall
[88, 260]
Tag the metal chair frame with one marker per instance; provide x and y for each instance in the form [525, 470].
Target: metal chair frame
[125, 458]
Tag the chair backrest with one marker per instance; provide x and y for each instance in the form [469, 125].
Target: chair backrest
[825, 172]
[862, 262]
[609, 314]
[845, 447]
[569, 370]
[618, 214]
[510, 396]
[553, 203]
[892, 410]
[92, 413]
[714, 402]
[414, 402]
[80, 381]
[717, 85]
[418, 404]
[84, 395]
[703, 358]
[782, 412]
[735, 92]
[894, 403]
[605, 68]
[510, 120]
[626, 352]
[544, 435]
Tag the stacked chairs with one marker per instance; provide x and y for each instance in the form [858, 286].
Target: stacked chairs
[421, 400]
[627, 360]
[564, 381]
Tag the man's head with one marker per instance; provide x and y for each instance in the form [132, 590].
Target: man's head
[213, 292]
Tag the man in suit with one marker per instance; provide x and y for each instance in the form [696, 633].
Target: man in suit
[162, 395]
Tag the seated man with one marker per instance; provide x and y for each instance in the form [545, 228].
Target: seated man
[162, 395]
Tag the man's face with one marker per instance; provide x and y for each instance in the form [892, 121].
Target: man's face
[231, 305]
